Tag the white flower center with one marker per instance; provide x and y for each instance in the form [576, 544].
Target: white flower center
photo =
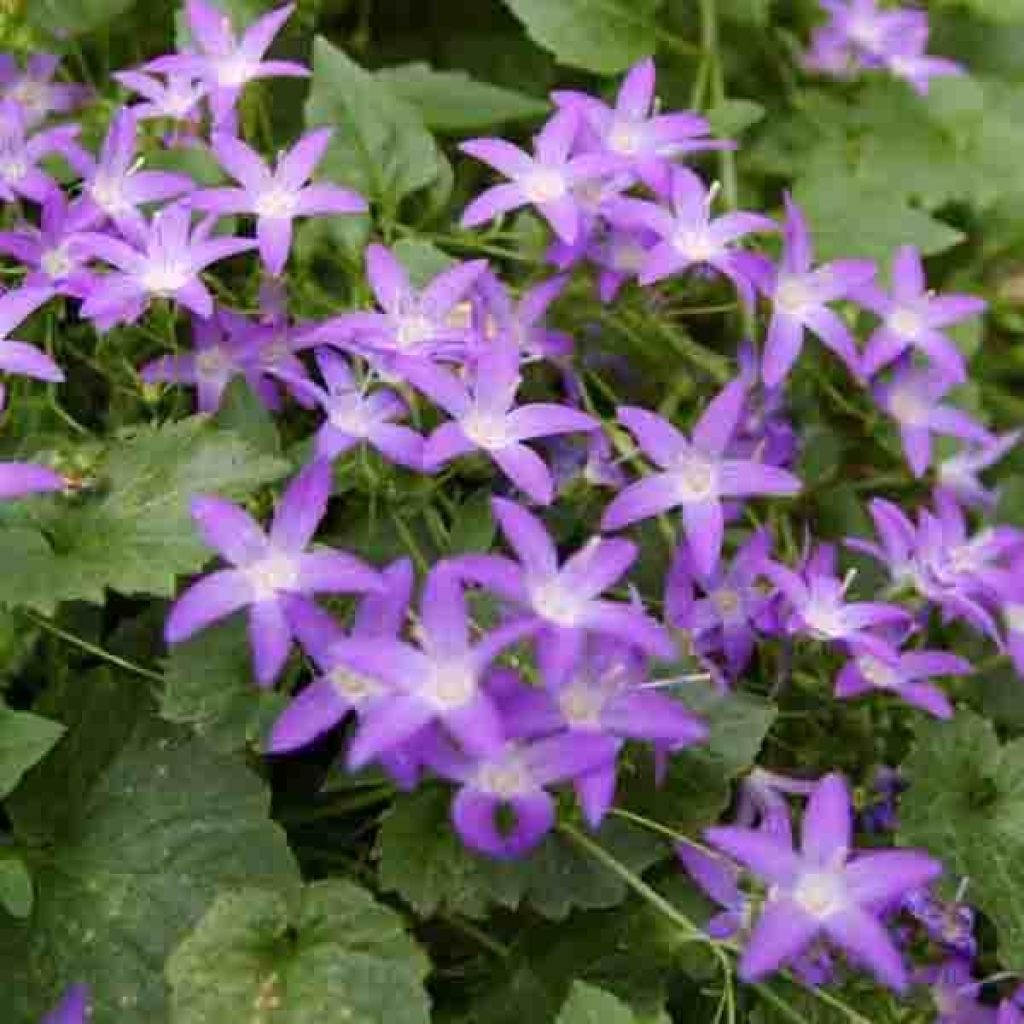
[271, 575]
[486, 429]
[108, 194]
[56, 263]
[234, 71]
[544, 185]
[825, 618]
[451, 684]
[907, 323]
[351, 686]
[821, 893]
[697, 246]
[277, 202]
[348, 414]
[878, 673]
[866, 32]
[413, 329]
[32, 95]
[696, 478]
[553, 602]
[626, 137]
[506, 778]
[13, 168]
[211, 362]
[908, 407]
[165, 277]
[1014, 616]
[628, 257]
[581, 705]
[727, 601]
[793, 294]
[274, 353]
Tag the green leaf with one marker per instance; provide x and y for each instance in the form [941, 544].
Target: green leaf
[380, 146]
[142, 825]
[731, 117]
[24, 740]
[209, 688]
[422, 260]
[589, 1005]
[244, 415]
[336, 955]
[15, 884]
[454, 102]
[965, 803]
[474, 526]
[1005, 11]
[605, 36]
[425, 862]
[75, 17]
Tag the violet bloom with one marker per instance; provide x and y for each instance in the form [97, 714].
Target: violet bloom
[511, 782]
[948, 922]
[912, 399]
[337, 690]
[355, 414]
[225, 63]
[913, 317]
[74, 1007]
[116, 186]
[485, 418]
[275, 197]
[19, 479]
[876, 666]
[165, 263]
[34, 89]
[694, 474]
[689, 236]
[564, 600]
[176, 97]
[605, 693]
[266, 569]
[411, 322]
[522, 323]
[719, 879]
[545, 180]
[18, 357]
[821, 890]
[621, 254]
[800, 294]
[645, 141]
[954, 990]
[1008, 585]
[959, 474]
[438, 681]
[905, 57]
[20, 154]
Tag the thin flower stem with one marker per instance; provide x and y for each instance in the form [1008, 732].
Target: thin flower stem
[664, 830]
[91, 648]
[478, 935]
[410, 541]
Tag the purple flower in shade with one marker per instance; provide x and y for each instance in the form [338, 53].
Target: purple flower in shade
[175, 97]
[1010, 1011]
[565, 600]
[821, 889]
[816, 601]
[17, 357]
[644, 141]
[34, 89]
[948, 922]
[485, 418]
[55, 253]
[621, 254]
[337, 690]
[266, 569]
[355, 415]
[275, 197]
[912, 399]
[115, 186]
[74, 1007]
[799, 294]
[605, 693]
[225, 63]
[762, 801]
[913, 317]
[958, 474]
[905, 57]
[725, 621]
[511, 781]
[954, 990]
[545, 180]
[689, 236]
[1008, 587]
[18, 479]
[497, 315]
[438, 681]
[20, 154]
[876, 666]
[165, 263]
[879, 814]
[694, 474]
[411, 323]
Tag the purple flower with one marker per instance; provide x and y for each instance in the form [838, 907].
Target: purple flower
[267, 569]
[694, 474]
[876, 666]
[958, 474]
[906, 58]
[412, 323]
[225, 63]
[564, 600]
[948, 922]
[115, 186]
[176, 98]
[644, 141]
[913, 317]
[719, 879]
[18, 479]
[621, 254]
[485, 418]
[34, 89]
[799, 294]
[165, 263]
[912, 397]
[954, 990]
[16, 356]
[821, 889]
[275, 197]
[337, 690]
[496, 315]
[20, 154]
[437, 681]
[545, 180]
[689, 236]
[73, 1008]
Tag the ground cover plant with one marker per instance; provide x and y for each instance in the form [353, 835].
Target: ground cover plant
[511, 513]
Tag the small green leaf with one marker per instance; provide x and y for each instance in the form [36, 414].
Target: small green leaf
[452, 101]
[605, 36]
[15, 884]
[25, 739]
[337, 956]
[421, 259]
[473, 528]
[241, 413]
[731, 117]
[589, 1005]
[75, 17]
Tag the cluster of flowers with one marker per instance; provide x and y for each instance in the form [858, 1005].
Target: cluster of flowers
[861, 37]
[439, 691]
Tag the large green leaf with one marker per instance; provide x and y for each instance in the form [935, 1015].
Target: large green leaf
[965, 803]
[605, 36]
[24, 739]
[590, 1005]
[73, 17]
[132, 829]
[335, 956]
[380, 146]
